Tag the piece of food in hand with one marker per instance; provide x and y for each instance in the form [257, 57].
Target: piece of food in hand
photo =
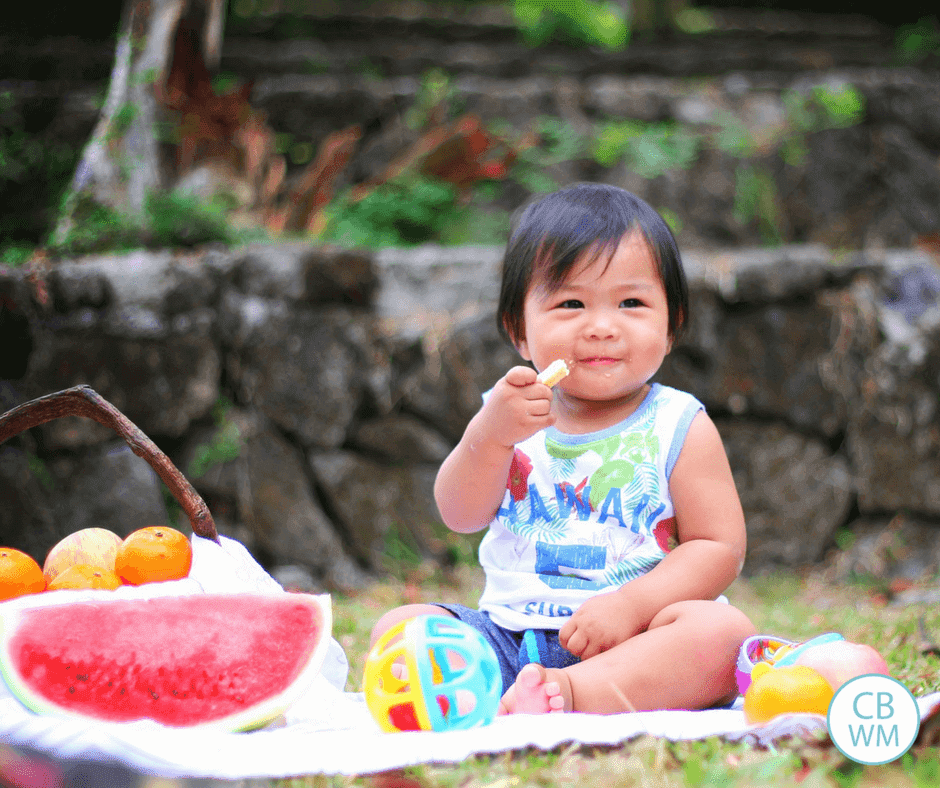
[554, 372]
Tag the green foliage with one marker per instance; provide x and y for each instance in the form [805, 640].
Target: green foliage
[224, 446]
[559, 141]
[12, 255]
[695, 21]
[823, 107]
[98, 227]
[734, 137]
[401, 554]
[35, 170]
[168, 220]
[41, 471]
[649, 149]
[841, 107]
[652, 149]
[917, 41]
[436, 89]
[405, 211]
[756, 200]
[181, 220]
[600, 24]
[123, 119]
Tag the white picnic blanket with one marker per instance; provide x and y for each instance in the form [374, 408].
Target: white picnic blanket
[329, 730]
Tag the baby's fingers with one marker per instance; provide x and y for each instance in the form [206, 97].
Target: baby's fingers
[520, 376]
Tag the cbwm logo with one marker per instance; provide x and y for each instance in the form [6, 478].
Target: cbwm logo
[873, 719]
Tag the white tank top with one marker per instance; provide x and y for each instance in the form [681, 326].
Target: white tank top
[584, 514]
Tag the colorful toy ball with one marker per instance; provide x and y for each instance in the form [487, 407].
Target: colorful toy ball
[432, 673]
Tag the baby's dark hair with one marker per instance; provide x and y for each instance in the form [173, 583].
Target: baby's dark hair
[551, 234]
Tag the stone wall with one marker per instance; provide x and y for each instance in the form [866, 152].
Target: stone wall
[310, 394]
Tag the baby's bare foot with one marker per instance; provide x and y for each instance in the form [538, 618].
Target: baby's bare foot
[534, 692]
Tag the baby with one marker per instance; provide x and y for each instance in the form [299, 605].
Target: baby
[613, 523]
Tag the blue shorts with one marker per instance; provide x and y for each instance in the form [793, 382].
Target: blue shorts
[515, 649]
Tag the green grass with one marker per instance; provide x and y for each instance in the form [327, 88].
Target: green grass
[792, 606]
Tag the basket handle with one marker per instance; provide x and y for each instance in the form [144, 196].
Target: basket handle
[85, 401]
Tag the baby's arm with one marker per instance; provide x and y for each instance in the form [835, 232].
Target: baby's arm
[708, 558]
[471, 483]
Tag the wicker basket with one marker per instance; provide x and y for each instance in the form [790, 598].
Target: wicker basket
[85, 401]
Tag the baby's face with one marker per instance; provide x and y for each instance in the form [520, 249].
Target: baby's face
[611, 321]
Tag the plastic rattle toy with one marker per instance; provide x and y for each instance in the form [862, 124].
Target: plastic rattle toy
[789, 689]
[432, 673]
[773, 652]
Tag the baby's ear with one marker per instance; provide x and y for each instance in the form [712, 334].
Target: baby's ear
[518, 343]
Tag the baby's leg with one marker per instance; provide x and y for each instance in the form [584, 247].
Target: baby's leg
[685, 660]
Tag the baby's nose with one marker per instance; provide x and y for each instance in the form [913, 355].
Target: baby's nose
[602, 325]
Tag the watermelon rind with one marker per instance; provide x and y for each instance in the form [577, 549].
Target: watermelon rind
[256, 712]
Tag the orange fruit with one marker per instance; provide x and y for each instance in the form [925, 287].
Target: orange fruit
[19, 574]
[90, 546]
[788, 690]
[152, 555]
[85, 576]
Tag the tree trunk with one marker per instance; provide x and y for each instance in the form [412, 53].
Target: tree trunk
[122, 162]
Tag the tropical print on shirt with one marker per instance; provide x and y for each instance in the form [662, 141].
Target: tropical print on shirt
[584, 514]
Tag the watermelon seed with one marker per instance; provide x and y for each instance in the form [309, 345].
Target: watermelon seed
[71, 690]
[81, 677]
[153, 695]
[123, 690]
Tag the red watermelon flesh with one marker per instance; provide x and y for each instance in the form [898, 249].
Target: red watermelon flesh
[223, 661]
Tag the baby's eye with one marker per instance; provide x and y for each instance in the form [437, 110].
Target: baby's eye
[571, 303]
[631, 303]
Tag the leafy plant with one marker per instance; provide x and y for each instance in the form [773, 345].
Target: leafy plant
[841, 108]
[404, 211]
[558, 141]
[224, 446]
[33, 171]
[12, 255]
[435, 91]
[168, 220]
[649, 149]
[917, 41]
[756, 200]
[601, 24]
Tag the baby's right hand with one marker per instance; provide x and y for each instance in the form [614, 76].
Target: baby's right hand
[517, 408]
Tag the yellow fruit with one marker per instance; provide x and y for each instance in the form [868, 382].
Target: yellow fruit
[788, 690]
[91, 546]
[84, 576]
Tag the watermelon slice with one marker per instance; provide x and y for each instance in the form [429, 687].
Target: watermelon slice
[225, 662]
